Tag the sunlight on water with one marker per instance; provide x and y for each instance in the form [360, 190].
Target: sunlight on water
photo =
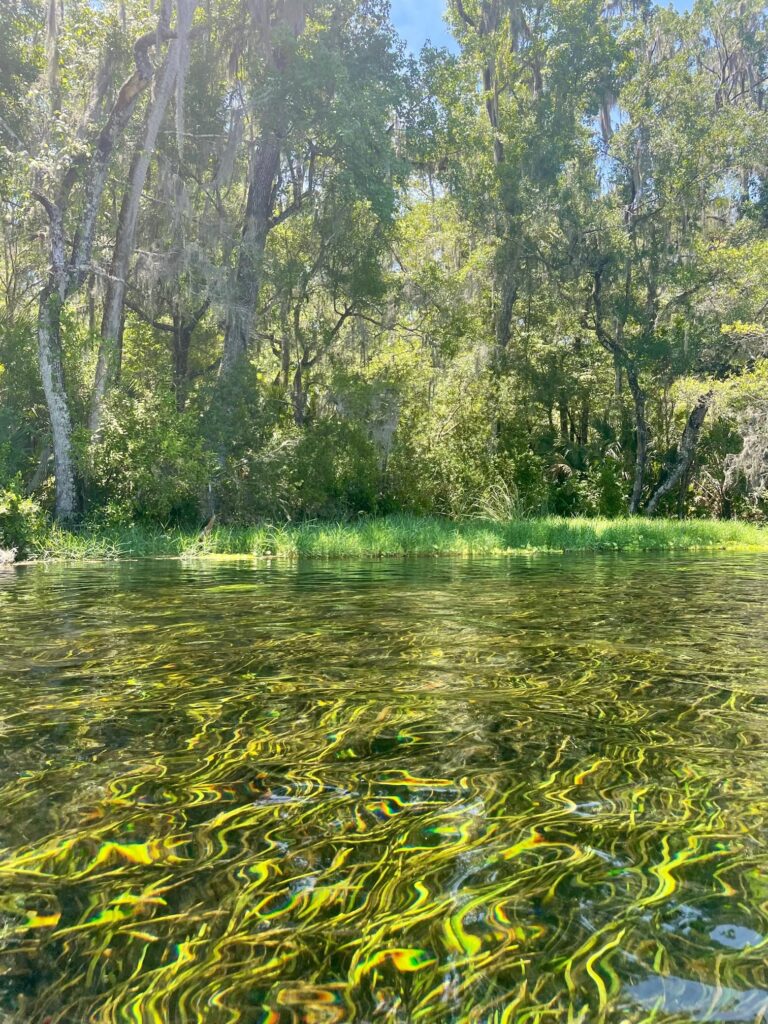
[503, 791]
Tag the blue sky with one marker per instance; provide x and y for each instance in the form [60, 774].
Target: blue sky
[419, 20]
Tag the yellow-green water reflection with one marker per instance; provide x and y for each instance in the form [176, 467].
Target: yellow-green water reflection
[507, 791]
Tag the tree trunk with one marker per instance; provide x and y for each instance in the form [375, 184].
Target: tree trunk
[264, 168]
[52, 374]
[682, 494]
[41, 470]
[110, 346]
[67, 274]
[299, 397]
[685, 454]
[506, 271]
[183, 329]
[285, 360]
[584, 424]
[507, 284]
[96, 177]
[562, 408]
[614, 344]
[641, 440]
[504, 315]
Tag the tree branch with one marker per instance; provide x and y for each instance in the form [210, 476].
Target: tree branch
[464, 16]
[118, 118]
[199, 313]
[289, 210]
[148, 319]
[57, 246]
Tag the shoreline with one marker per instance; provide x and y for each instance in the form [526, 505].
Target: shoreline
[397, 536]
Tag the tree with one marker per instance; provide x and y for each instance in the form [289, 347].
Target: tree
[170, 80]
[540, 65]
[69, 265]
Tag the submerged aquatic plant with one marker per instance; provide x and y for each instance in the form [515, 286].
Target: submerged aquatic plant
[529, 790]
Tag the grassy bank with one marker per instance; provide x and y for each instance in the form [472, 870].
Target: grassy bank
[395, 536]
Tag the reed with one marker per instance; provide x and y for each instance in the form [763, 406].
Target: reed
[402, 536]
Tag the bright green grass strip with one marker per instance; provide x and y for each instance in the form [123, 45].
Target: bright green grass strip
[402, 536]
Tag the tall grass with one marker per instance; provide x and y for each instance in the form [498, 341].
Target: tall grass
[403, 535]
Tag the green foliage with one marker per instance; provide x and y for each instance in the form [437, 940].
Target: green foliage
[468, 283]
[21, 402]
[337, 471]
[443, 457]
[149, 462]
[22, 522]
[404, 536]
[330, 469]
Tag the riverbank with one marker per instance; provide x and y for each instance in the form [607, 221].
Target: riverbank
[401, 536]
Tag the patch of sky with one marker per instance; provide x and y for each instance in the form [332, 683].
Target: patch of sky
[421, 21]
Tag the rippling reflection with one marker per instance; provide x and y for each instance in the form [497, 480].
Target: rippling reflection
[501, 792]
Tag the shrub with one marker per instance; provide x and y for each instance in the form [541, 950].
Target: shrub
[337, 470]
[21, 521]
[148, 463]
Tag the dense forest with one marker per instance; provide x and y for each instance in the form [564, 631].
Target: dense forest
[259, 261]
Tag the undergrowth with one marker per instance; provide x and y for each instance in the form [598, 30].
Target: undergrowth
[402, 536]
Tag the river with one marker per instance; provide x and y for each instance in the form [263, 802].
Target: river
[430, 791]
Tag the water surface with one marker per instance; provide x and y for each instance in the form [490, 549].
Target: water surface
[515, 790]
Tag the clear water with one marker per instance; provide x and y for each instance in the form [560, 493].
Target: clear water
[429, 791]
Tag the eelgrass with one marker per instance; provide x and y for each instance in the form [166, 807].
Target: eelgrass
[402, 536]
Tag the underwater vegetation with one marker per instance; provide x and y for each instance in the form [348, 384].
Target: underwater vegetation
[437, 791]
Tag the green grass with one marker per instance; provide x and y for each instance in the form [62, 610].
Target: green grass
[400, 536]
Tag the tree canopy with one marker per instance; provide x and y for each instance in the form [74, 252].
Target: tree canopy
[258, 261]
